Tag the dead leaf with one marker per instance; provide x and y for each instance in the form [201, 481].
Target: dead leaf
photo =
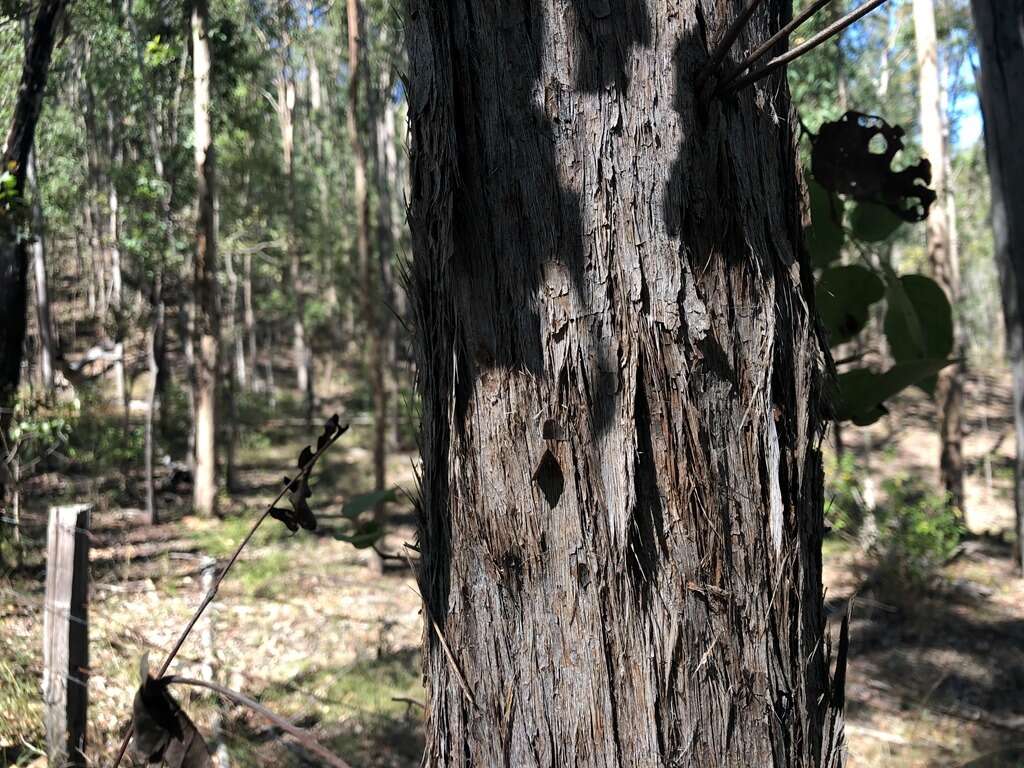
[844, 160]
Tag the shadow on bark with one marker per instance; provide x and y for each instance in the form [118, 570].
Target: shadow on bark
[509, 252]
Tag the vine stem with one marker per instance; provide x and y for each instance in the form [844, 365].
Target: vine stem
[766, 46]
[727, 40]
[212, 592]
[794, 53]
[303, 736]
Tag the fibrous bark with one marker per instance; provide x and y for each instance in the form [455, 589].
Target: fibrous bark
[999, 27]
[622, 395]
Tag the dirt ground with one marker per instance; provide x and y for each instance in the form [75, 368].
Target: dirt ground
[304, 626]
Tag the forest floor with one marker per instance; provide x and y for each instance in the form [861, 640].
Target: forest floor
[304, 626]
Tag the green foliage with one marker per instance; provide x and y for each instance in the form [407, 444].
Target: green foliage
[918, 531]
[364, 534]
[825, 234]
[863, 392]
[918, 323]
[844, 295]
[40, 426]
[918, 316]
[100, 441]
[873, 223]
[844, 507]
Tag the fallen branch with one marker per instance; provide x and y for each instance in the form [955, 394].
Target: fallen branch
[301, 735]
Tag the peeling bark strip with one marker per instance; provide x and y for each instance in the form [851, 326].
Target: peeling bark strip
[622, 394]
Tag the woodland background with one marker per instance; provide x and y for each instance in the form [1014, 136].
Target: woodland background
[313, 320]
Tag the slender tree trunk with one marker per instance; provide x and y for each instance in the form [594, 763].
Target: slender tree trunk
[249, 318]
[42, 291]
[206, 332]
[16, 150]
[999, 26]
[380, 98]
[374, 352]
[395, 291]
[156, 341]
[301, 357]
[949, 391]
[622, 396]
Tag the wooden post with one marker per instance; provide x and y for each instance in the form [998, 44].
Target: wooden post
[66, 634]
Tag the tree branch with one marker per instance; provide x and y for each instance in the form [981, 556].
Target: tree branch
[301, 735]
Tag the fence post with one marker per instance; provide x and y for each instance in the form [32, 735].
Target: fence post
[66, 634]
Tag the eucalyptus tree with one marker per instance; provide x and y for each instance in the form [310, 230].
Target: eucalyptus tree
[623, 392]
[42, 35]
[942, 256]
[1000, 39]
[207, 320]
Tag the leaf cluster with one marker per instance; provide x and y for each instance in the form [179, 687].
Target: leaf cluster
[857, 201]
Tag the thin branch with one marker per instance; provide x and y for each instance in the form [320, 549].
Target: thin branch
[795, 53]
[727, 40]
[303, 736]
[766, 46]
[304, 472]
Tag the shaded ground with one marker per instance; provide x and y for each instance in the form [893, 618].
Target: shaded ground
[304, 626]
[301, 623]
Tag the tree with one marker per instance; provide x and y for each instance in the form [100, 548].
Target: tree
[302, 356]
[371, 299]
[949, 393]
[13, 174]
[206, 332]
[40, 281]
[1000, 38]
[622, 395]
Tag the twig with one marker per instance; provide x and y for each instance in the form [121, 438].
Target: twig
[411, 702]
[239, 698]
[794, 53]
[460, 679]
[727, 40]
[303, 472]
[758, 52]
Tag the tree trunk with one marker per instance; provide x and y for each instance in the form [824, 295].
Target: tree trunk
[206, 331]
[949, 392]
[42, 291]
[622, 395]
[154, 358]
[380, 101]
[301, 358]
[374, 352]
[13, 249]
[249, 318]
[999, 26]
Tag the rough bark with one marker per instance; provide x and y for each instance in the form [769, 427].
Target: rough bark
[949, 392]
[999, 26]
[16, 150]
[621, 382]
[206, 319]
[370, 298]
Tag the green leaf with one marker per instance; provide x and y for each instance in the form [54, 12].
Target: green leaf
[843, 296]
[365, 535]
[356, 505]
[862, 392]
[825, 235]
[873, 223]
[918, 322]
